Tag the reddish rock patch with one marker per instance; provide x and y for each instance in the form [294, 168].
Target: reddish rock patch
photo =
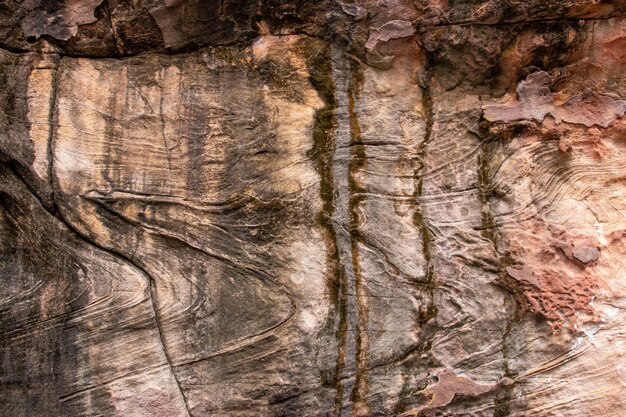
[449, 386]
[556, 296]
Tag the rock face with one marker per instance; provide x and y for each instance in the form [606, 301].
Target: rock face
[312, 208]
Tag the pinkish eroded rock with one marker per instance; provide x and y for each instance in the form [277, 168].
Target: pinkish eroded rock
[535, 101]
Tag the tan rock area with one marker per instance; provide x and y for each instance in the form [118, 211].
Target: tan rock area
[313, 208]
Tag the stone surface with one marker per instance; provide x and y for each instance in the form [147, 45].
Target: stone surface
[331, 208]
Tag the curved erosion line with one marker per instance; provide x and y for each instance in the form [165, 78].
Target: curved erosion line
[92, 387]
[51, 322]
[163, 198]
[120, 257]
[57, 190]
[129, 302]
[556, 362]
[160, 231]
[148, 277]
[234, 346]
[246, 341]
[263, 277]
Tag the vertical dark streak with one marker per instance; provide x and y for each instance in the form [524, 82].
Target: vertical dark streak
[419, 219]
[322, 152]
[358, 160]
[427, 312]
[53, 121]
[489, 231]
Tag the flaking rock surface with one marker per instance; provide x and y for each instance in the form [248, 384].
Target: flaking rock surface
[313, 208]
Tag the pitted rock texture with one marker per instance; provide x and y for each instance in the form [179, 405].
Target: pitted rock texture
[329, 208]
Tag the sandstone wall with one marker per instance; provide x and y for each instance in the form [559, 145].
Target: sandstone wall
[312, 208]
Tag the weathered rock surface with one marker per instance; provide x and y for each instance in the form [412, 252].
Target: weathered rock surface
[235, 208]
